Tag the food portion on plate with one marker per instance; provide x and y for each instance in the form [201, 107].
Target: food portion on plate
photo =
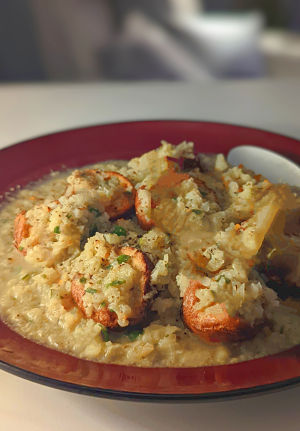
[169, 260]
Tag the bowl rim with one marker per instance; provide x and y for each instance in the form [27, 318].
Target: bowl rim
[153, 120]
[147, 397]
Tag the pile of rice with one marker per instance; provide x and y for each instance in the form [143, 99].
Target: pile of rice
[217, 226]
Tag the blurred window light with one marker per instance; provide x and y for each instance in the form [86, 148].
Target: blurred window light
[229, 43]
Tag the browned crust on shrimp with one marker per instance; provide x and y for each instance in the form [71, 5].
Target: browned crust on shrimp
[144, 222]
[124, 202]
[141, 263]
[215, 326]
[103, 315]
[169, 179]
[21, 230]
[107, 317]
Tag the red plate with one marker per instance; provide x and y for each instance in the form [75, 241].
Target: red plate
[32, 159]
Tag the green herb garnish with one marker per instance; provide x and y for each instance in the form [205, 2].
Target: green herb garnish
[82, 280]
[21, 248]
[204, 194]
[103, 304]
[198, 212]
[111, 310]
[133, 335]
[95, 211]
[225, 278]
[123, 258]
[91, 290]
[120, 231]
[106, 266]
[69, 215]
[105, 334]
[56, 229]
[116, 283]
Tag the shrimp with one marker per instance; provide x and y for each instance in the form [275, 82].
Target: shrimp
[21, 230]
[116, 192]
[103, 315]
[144, 201]
[58, 228]
[143, 207]
[214, 324]
[133, 291]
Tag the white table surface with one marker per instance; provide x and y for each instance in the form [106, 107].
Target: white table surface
[32, 110]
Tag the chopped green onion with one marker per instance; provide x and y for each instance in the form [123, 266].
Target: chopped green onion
[197, 212]
[225, 278]
[82, 280]
[91, 290]
[21, 248]
[69, 215]
[56, 229]
[105, 334]
[116, 283]
[111, 310]
[120, 231]
[133, 335]
[95, 211]
[123, 258]
[103, 304]
[175, 198]
[204, 194]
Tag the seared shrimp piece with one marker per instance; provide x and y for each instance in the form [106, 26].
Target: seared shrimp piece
[58, 228]
[122, 201]
[116, 192]
[102, 315]
[144, 203]
[171, 179]
[117, 299]
[214, 324]
[143, 207]
[52, 231]
[21, 230]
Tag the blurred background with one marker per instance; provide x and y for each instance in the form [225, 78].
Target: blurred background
[92, 40]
